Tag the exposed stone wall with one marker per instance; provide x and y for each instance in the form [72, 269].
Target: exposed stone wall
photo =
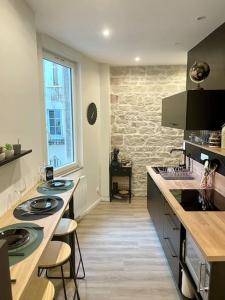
[136, 99]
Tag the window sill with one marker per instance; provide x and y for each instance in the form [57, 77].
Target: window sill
[68, 171]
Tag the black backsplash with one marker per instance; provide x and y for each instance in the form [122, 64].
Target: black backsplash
[195, 153]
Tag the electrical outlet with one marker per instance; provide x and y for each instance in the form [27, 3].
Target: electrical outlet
[204, 156]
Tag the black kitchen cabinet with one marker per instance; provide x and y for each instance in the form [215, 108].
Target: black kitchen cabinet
[172, 240]
[167, 225]
[155, 205]
[194, 110]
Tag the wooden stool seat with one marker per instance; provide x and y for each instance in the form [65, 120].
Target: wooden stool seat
[56, 254]
[65, 226]
[39, 289]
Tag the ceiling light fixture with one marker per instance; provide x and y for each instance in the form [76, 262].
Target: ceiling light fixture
[106, 32]
[200, 18]
[137, 59]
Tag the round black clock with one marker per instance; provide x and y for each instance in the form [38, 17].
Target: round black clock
[92, 113]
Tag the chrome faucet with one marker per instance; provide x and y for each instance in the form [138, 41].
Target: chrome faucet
[184, 153]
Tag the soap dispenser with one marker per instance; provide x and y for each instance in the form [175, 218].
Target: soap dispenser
[223, 136]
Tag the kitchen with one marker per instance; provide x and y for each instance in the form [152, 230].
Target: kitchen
[111, 93]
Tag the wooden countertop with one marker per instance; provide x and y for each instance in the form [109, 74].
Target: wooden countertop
[23, 270]
[206, 228]
[217, 150]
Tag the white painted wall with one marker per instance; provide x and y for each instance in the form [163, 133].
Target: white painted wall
[21, 100]
[105, 130]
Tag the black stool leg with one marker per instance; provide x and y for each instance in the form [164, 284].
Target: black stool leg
[63, 280]
[80, 260]
[75, 282]
[40, 270]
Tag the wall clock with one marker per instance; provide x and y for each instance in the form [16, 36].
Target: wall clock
[92, 113]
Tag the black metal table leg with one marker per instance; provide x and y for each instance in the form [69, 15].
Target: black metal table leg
[71, 238]
[130, 189]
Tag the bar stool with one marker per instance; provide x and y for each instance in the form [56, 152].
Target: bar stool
[68, 227]
[56, 254]
[39, 289]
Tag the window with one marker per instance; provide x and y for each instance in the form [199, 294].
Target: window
[58, 90]
[55, 121]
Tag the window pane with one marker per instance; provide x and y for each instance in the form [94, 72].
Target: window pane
[52, 122]
[58, 130]
[52, 130]
[51, 113]
[59, 113]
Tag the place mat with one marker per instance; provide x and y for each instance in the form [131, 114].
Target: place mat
[18, 211]
[35, 238]
[47, 190]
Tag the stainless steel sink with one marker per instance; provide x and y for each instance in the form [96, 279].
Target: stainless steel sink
[174, 173]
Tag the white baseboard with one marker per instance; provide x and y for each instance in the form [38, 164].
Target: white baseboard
[88, 209]
[105, 199]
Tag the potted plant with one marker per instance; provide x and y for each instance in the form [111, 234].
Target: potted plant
[2, 153]
[8, 150]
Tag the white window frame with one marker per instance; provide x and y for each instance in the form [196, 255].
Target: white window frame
[74, 80]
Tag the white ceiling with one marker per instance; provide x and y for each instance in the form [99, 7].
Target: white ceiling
[159, 31]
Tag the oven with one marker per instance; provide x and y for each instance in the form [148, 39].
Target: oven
[198, 267]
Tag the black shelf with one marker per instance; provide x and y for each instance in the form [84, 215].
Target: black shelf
[14, 157]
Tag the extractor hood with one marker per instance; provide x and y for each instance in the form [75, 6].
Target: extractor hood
[194, 110]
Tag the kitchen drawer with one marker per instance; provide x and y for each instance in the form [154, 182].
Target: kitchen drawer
[121, 171]
[172, 231]
[171, 244]
[174, 221]
[172, 258]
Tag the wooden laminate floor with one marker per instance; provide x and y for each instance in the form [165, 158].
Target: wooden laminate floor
[122, 254]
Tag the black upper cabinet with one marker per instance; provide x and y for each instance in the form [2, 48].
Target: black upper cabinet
[194, 110]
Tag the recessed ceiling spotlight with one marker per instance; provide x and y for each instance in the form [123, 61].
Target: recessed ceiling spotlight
[200, 18]
[106, 32]
[137, 58]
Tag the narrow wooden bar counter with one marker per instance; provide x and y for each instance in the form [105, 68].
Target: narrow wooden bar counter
[23, 271]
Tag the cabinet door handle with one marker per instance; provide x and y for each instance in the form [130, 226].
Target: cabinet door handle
[204, 288]
[170, 218]
[172, 252]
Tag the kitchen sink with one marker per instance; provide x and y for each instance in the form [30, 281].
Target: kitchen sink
[174, 173]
